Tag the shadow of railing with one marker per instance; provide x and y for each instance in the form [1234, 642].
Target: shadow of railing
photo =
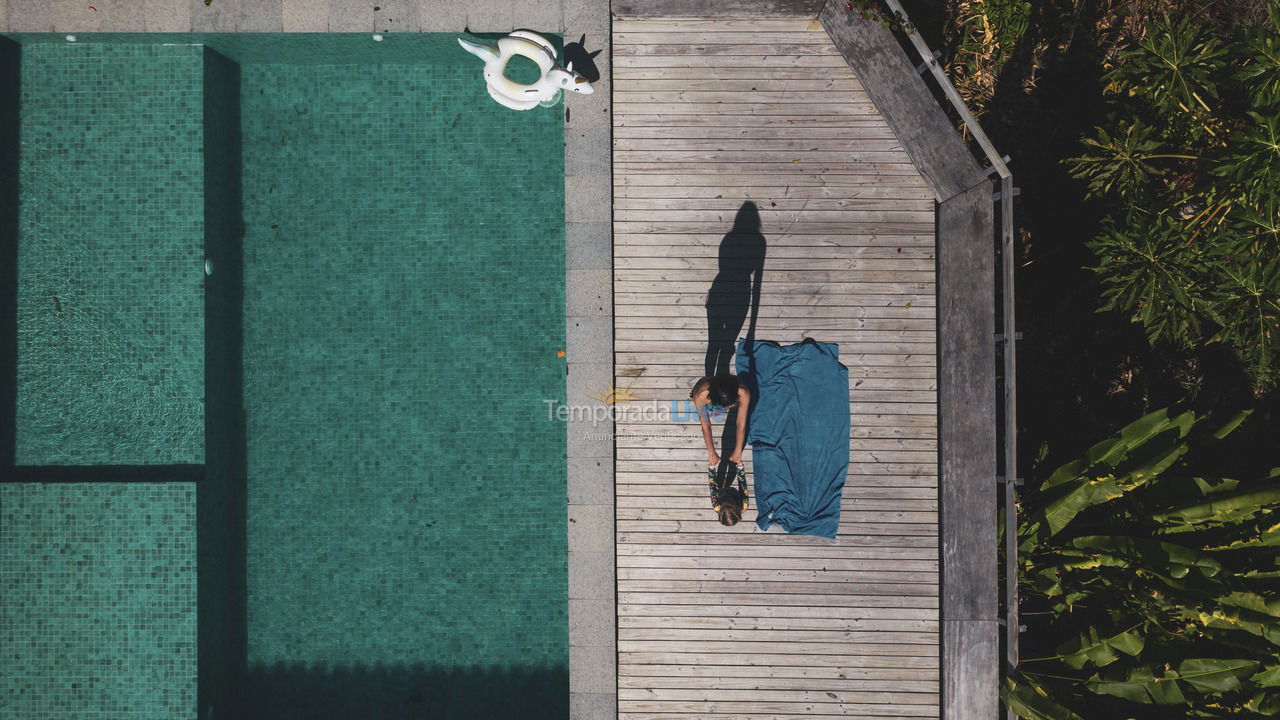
[288, 691]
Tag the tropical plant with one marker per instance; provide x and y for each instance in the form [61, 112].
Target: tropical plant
[1121, 163]
[1251, 162]
[1150, 578]
[984, 35]
[1188, 165]
[1175, 67]
[1152, 275]
[1260, 69]
[1247, 300]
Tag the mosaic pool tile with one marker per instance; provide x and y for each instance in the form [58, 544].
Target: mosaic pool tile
[403, 317]
[110, 256]
[98, 601]
[293, 48]
[404, 305]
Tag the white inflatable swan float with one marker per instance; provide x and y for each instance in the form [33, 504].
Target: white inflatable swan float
[545, 91]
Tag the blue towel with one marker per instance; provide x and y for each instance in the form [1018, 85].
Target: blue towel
[798, 428]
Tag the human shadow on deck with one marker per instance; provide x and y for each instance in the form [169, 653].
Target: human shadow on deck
[735, 293]
[406, 692]
[734, 299]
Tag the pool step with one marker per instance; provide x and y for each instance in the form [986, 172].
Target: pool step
[113, 223]
[127, 195]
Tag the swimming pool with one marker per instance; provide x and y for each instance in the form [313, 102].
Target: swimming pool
[319, 282]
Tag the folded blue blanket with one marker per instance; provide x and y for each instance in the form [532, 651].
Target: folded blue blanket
[798, 428]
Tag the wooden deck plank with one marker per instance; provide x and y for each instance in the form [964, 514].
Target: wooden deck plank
[724, 54]
[697, 25]
[758, 72]
[841, 84]
[856, 128]
[701, 178]
[711, 35]
[864, 307]
[709, 114]
[776, 672]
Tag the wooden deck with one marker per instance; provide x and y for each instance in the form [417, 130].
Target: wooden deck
[731, 623]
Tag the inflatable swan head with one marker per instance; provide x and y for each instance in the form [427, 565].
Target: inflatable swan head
[570, 80]
[544, 91]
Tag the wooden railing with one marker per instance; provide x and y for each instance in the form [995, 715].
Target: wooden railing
[1006, 338]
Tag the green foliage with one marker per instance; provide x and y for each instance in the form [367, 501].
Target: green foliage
[1246, 303]
[1260, 68]
[1154, 276]
[1122, 163]
[1153, 578]
[1251, 162]
[984, 35]
[1091, 648]
[875, 11]
[1188, 166]
[1028, 700]
[1175, 67]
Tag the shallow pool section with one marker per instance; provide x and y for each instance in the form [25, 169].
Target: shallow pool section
[110, 300]
[290, 313]
[99, 600]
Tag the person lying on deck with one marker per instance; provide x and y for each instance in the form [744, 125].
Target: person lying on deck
[727, 392]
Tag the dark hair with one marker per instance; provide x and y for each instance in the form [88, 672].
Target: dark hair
[731, 502]
[723, 390]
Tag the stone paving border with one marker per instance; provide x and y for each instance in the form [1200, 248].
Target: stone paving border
[588, 243]
[588, 162]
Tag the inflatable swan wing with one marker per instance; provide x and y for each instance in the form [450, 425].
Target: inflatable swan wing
[545, 90]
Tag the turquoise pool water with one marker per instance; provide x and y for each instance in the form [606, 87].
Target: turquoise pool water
[350, 391]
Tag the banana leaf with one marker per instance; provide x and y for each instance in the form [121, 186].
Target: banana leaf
[1215, 485]
[1176, 490]
[1193, 588]
[1231, 424]
[1101, 651]
[1152, 458]
[1112, 451]
[1268, 677]
[1269, 537]
[1141, 686]
[1068, 471]
[1243, 611]
[1252, 601]
[1226, 618]
[1215, 676]
[1264, 703]
[1068, 500]
[1028, 701]
[1154, 423]
[1043, 581]
[1108, 452]
[1145, 553]
[1064, 559]
[1233, 508]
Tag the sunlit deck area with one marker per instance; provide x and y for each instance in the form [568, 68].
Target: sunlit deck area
[717, 622]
